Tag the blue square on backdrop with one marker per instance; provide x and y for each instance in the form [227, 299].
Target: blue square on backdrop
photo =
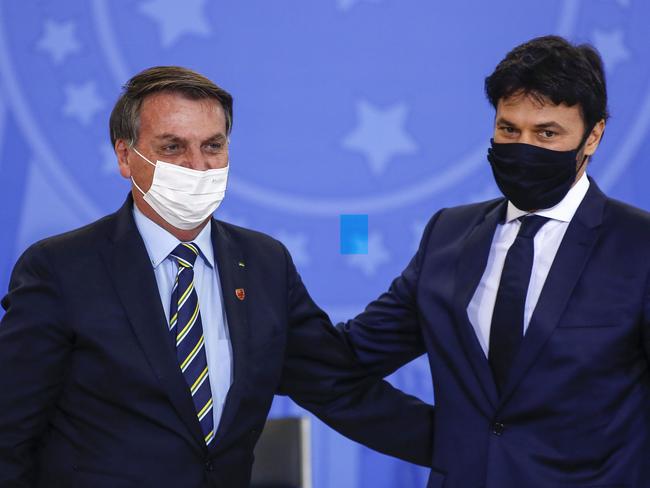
[354, 234]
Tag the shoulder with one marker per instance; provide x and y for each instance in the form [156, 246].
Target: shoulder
[249, 239]
[623, 210]
[246, 235]
[471, 211]
[449, 226]
[70, 251]
[76, 242]
[462, 217]
[626, 218]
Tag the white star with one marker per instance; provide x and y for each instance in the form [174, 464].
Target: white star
[611, 47]
[176, 19]
[297, 245]
[377, 255]
[380, 135]
[346, 5]
[58, 40]
[82, 101]
[108, 159]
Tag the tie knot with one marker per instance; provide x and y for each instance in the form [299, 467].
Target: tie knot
[530, 224]
[186, 254]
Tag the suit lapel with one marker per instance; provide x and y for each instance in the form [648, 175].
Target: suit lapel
[569, 262]
[472, 263]
[129, 266]
[232, 275]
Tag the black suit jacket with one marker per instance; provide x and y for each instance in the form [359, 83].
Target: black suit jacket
[575, 411]
[91, 391]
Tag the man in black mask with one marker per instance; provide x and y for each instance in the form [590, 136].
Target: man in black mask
[534, 309]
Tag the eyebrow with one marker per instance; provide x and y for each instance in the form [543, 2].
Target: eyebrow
[549, 125]
[217, 137]
[544, 125]
[173, 137]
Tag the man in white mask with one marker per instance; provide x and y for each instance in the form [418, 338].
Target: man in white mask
[145, 348]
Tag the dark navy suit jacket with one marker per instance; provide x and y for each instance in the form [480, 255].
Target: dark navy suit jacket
[576, 409]
[91, 394]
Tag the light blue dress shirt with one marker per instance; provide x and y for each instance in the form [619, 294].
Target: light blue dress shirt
[218, 349]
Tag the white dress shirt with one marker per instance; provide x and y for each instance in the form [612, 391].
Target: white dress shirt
[546, 243]
[218, 350]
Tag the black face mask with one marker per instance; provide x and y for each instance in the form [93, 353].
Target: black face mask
[533, 177]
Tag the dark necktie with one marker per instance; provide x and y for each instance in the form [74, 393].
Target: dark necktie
[507, 327]
[185, 326]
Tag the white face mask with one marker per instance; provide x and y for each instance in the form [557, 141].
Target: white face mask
[184, 197]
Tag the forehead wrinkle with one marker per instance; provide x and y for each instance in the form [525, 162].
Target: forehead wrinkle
[219, 136]
[168, 135]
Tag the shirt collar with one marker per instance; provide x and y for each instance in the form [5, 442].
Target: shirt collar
[564, 210]
[160, 243]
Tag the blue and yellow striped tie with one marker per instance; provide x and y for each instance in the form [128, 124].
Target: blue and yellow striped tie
[185, 325]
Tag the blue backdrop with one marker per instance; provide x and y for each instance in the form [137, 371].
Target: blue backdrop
[341, 106]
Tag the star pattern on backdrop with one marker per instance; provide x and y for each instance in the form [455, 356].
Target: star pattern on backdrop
[82, 101]
[377, 255]
[75, 42]
[380, 135]
[346, 5]
[176, 19]
[296, 243]
[59, 40]
[611, 46]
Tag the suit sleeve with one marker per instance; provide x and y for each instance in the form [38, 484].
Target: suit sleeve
[646, 319]
[33, 351]
[321, 374]
[387, 334]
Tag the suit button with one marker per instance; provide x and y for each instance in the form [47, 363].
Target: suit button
[498, 428]
[209, 466]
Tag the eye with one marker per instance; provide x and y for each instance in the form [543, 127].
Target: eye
[170, 148]
[548, 134]
[215, 146]
[506, 129]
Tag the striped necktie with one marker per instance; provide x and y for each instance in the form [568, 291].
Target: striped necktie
[185, 325]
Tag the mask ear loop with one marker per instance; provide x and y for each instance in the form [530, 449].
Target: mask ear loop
[136, 185]
[581, 146]
[131, 146]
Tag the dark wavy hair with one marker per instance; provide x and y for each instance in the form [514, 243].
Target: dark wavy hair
[125, 117]
[551, 68]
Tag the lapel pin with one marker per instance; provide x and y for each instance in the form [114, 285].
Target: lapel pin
[241, 264]
[240, 293]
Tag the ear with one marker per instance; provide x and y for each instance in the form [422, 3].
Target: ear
[122, 153]
[594, 138]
